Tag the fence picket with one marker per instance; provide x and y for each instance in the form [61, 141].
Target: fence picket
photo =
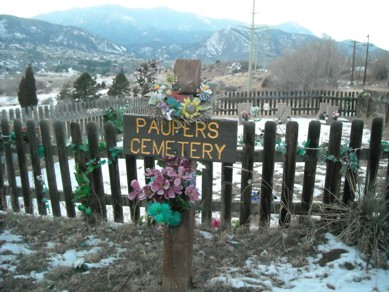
[269, 143]
[375, 152]
[59, 129]
[226, 193]
[14, 192]
[3, 199]
[114, 175]
[333, 166]
[351, 174]
[286, 209]
[131, 175]
[36, 166]
[23, 170]
[206, 194]
[96, 198]
[310, 166]
[247, 172]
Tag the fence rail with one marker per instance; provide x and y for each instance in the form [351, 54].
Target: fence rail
[302, 103]
[39, 139]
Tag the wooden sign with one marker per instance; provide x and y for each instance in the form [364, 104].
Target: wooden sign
[212, 140]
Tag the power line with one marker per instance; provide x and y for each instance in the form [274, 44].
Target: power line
[367, 55]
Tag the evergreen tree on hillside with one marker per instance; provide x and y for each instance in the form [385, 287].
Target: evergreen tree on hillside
[65, 92]
[27, 89]
[85, 88]
[120, 86]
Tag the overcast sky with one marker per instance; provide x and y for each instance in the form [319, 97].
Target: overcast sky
[340, 19]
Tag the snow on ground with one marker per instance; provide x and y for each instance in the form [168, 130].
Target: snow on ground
[344, 272]
[347, 273]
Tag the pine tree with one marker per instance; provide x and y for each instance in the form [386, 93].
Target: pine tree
[65, 93]
[120, 86]
[85, 88]
[27, 89]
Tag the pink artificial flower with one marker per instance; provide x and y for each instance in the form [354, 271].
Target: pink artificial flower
[193, 193]
[137, 190]
[179, 175]
[173, 191]
[160, 185]
[148, 193]
[215, 223]
[150, 172]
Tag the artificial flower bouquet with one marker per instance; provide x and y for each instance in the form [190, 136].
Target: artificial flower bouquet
[171, 190]
[170, 104]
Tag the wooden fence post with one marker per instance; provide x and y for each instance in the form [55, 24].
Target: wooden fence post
[50, 171]
[117, 201]
[5, 131]
[96, 198]
[178, 254]
[351, 174]
[247, 173]
[59, 130]
[36, 166]
[269, 144]
[23, 171]
[310, 166]
[332, 178]
[375, 153]
[289, 173]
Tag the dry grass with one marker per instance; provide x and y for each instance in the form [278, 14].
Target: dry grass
[138, 252]
[362, 223]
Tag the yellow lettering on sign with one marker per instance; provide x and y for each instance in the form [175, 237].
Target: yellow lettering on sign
[175, 127]
[153, 126]
[200, 127]
[220, 150]
[168, 149]
[163, 124]
[213, 130]
[144, 146]
[182, 143]
[193, 150]
[207, 149]
[132, 146]
[159, 150]
[139, 124]
[186, 129]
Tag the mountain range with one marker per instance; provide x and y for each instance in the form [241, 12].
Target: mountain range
[112, 35]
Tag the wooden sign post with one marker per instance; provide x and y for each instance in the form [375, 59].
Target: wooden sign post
[209, 140]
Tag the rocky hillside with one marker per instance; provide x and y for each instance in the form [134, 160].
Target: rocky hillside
[29, 40]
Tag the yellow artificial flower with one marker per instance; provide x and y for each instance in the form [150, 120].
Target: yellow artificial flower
[191, 108]
[156, 87]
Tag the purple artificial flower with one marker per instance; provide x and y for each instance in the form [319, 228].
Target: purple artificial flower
[179, 175]
[137, 191]
[173, 191]
[193, 193]
[160, 185]
[150, 172]
[148, 193]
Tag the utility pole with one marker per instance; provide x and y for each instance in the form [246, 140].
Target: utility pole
[251, 53]
[367, 54]
[352, 69]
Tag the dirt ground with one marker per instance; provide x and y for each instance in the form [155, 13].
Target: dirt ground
[138, 253]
